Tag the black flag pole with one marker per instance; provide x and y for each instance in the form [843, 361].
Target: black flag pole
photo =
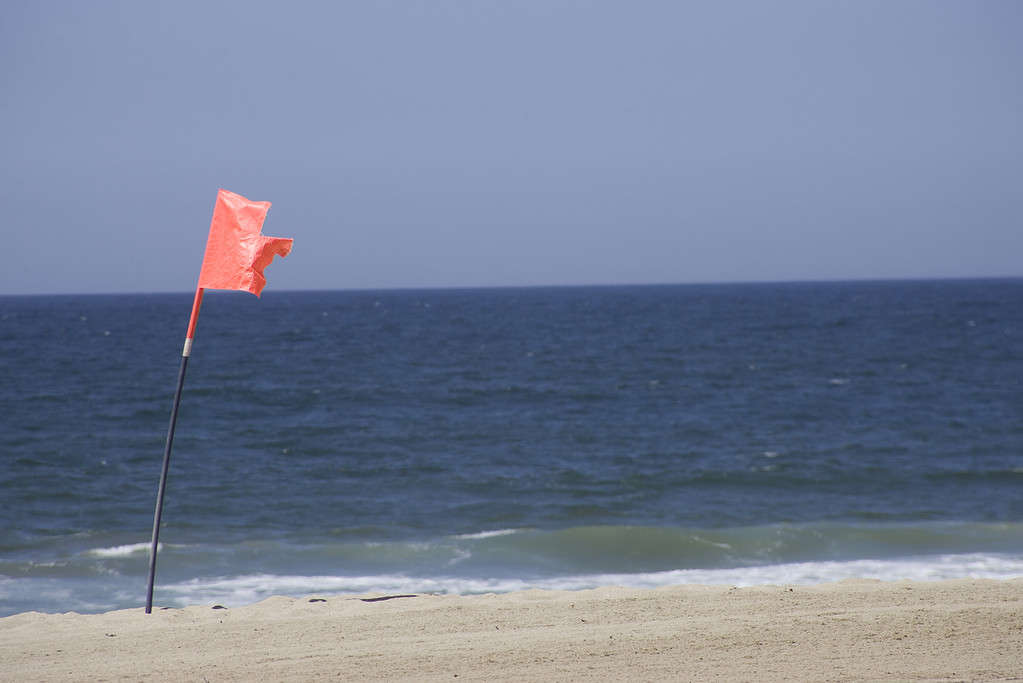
[185, 353]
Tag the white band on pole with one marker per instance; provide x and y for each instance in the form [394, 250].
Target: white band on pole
[187, 351]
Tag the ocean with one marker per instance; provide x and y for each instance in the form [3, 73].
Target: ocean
[489, 440]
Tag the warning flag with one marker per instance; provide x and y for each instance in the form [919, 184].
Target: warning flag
[236, 250]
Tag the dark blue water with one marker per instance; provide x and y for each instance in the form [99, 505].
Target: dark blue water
[475, 440]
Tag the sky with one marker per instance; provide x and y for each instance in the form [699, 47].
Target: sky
[475, 143]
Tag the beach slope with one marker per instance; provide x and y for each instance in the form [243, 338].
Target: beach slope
[853, 630]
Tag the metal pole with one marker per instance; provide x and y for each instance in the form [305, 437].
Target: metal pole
[185, 353]
[163, 485]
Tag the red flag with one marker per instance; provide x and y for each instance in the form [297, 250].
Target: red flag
[236, 250]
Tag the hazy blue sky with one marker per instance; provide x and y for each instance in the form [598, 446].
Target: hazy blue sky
[520, 142]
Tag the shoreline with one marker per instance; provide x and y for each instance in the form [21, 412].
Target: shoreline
[859, 629]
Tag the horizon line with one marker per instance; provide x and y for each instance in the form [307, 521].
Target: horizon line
[592, 285]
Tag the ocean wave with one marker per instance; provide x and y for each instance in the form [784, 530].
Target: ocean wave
[504, 560]
[629, 549]
[487, 534]
[122, 550]
[252, 588]
[513, 552]
[584, 557]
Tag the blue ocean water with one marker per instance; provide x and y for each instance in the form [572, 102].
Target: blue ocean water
[497, 439]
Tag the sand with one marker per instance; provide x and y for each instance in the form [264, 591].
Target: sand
[853, 630]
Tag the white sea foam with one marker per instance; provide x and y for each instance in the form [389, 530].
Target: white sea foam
[252, 588]
[487, 534]
[89, 594]
[971, 566]
[122, 550]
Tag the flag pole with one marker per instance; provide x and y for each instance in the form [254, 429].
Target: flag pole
[185, 353]
[236, 254]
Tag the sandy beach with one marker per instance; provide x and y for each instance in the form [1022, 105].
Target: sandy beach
[853, 630]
